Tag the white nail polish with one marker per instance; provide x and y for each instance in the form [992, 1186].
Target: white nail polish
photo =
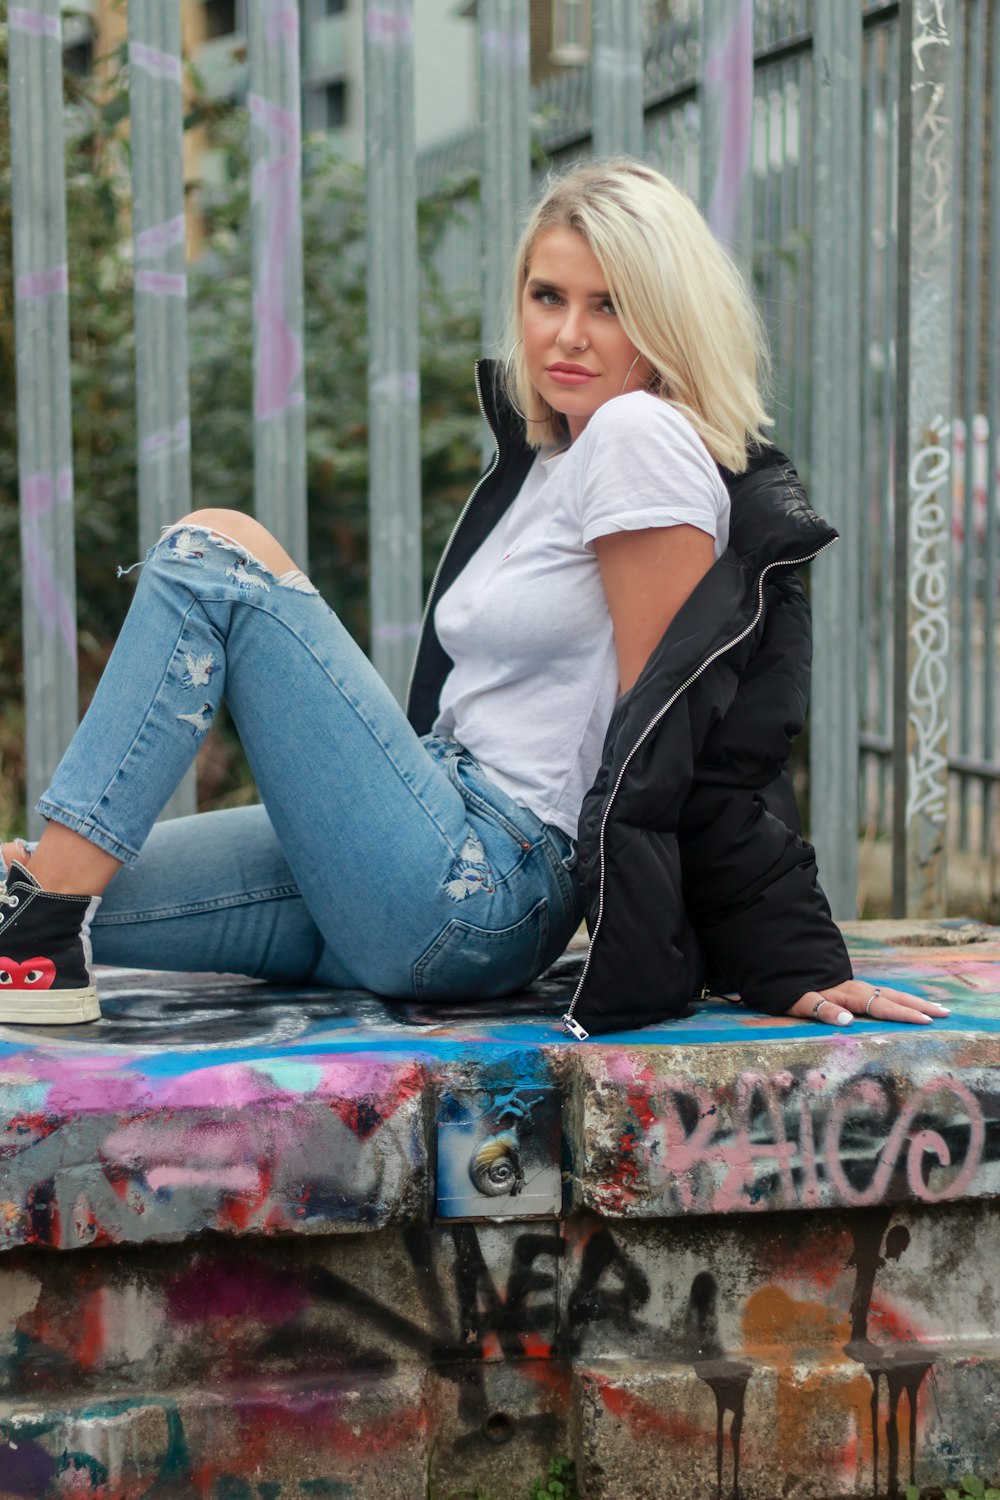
[844, 1018]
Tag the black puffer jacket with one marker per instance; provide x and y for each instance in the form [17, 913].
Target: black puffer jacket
[691, 864]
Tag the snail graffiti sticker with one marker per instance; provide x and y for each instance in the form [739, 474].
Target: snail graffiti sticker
[499, 1153]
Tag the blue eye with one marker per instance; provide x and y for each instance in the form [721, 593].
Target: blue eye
[545, 296]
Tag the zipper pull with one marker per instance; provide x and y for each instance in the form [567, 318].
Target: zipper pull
[574, 1028]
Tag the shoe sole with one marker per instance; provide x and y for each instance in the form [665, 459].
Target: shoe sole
[49, 1007]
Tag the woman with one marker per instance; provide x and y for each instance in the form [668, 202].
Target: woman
[595, 652]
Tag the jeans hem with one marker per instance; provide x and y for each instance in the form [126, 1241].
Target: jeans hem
[52, 813]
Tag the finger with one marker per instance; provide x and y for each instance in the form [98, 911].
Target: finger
[915, 1002]
[881, 1004]
[821, 1008]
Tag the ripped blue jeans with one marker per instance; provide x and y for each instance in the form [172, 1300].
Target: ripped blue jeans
[377, 859]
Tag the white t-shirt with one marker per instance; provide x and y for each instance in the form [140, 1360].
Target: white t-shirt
[527, 623]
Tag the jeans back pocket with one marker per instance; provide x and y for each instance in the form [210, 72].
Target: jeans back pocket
[471, 963]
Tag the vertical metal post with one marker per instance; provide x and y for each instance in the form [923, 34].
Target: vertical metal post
[158, 230]
[617, 77]
[725, 106]
[45, 445]
[276, 230]
[924, 356]
[991, 581]
[972, 193]
[835, 447]
[393, 350]
[161, 355]
[505, 174]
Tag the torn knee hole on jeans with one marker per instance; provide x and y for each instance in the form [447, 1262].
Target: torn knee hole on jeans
[185, 543]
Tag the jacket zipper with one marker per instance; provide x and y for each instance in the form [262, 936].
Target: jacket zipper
[454, 532]
[571, 1025]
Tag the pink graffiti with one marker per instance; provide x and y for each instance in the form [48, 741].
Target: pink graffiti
[217, 1155]
[160, 237]
[43, 283]
[94, 1086]
[34, 23]
[386, 26]
[151, 60]
[37, 496]
[729, 74]
[277, 182]
[683, 1153]
[873, 1096]
[161, 283]
[37, 492]
[732, 1151]
[236, 1179]
[178, 438]
[283, 25]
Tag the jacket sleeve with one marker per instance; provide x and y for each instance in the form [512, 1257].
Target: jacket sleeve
[750, 881]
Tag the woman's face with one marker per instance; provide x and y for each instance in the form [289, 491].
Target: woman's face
[577, 354]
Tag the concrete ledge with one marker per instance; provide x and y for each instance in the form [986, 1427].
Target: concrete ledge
[325, 1246]
[223, 1104]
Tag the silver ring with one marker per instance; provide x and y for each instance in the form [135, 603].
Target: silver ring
[818, 1007]
[872, 998]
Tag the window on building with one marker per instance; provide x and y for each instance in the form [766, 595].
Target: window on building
[570, 31]
[334, 105]
[220, 18]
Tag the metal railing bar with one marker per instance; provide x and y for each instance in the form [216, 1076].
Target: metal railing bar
[393, 341]
[958, 765]
[276, 243]
[42, 354]
[160, 284]
[991, 581]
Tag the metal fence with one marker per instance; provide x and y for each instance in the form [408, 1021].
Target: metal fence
[847, 152]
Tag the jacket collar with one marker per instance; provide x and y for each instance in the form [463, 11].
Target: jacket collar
[771, 520]
[507, 426]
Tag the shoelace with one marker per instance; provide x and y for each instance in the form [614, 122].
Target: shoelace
[7, 898]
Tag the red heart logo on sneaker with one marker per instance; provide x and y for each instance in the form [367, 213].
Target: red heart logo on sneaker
[33, 974]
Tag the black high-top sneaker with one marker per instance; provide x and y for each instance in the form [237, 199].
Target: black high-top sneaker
[45, 975]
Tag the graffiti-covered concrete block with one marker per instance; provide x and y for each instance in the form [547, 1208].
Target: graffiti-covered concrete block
[837, 1121]
[358, 1436]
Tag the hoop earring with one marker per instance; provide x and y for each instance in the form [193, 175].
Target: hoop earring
[506, 382]
[628, 374]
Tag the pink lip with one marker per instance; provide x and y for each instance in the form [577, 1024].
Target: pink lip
[570, 374]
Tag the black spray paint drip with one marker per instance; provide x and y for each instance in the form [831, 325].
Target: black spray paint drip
[903, 1365]
[727, 1379]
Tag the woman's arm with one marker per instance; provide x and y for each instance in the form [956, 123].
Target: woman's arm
[647, 575]
[750, 883]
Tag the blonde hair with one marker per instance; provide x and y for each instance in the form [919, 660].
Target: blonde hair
[679, 298]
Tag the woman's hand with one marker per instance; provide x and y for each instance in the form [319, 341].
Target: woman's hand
[856, 997]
